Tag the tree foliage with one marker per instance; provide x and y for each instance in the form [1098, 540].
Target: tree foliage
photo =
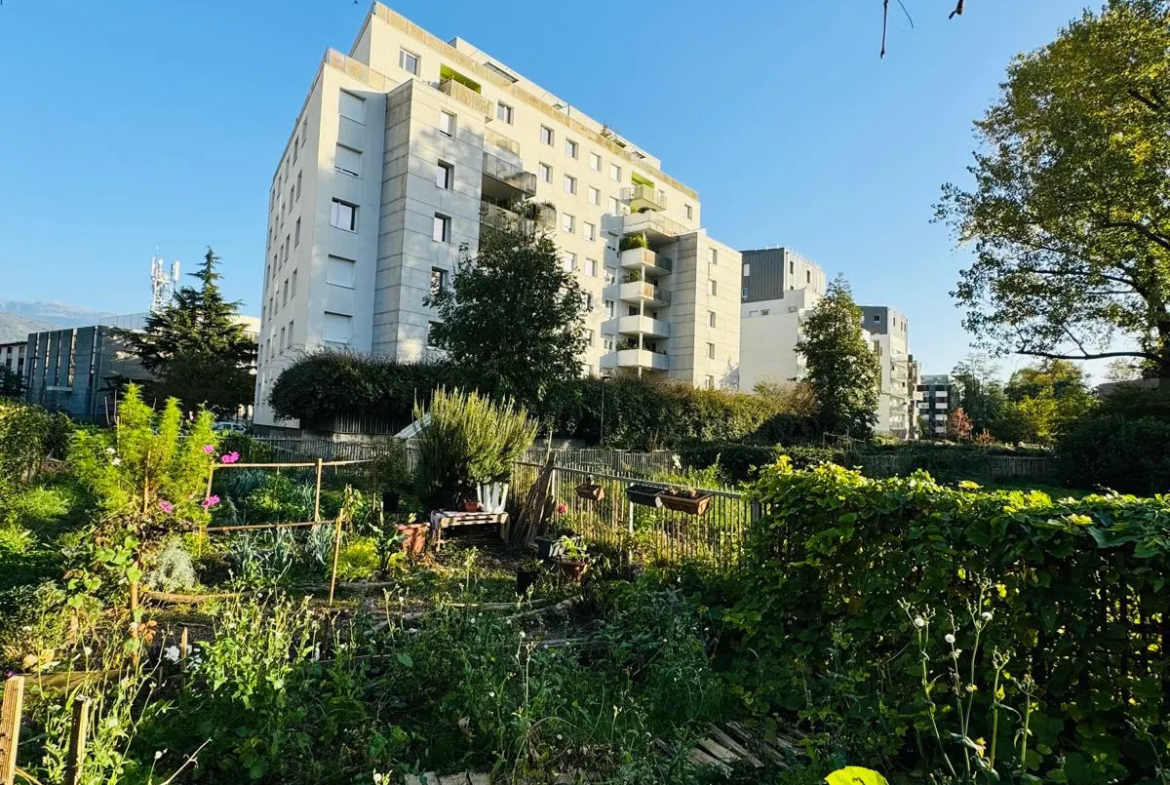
[514, 314]
[1070, 209]
[196, 348]
[843, 371]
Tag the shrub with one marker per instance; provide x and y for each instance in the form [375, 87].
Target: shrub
[1113, 451]
[1065, 588]
[739, 462]
[28, 435]
[174, 569]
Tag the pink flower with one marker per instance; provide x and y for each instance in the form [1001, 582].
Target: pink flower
[208, 449]
[210, 502]
[166, 506]
[562, 509]
[231, 457]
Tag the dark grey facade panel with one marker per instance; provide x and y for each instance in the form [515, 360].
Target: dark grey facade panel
[766, 280]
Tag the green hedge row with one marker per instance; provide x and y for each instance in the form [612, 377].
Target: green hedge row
[1114, 451]
[29, 435]
[854, 587]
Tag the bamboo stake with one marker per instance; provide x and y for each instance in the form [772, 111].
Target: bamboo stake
[183, 645]
[76, 761]
[336, 553]
[317, 496]
[10, 713]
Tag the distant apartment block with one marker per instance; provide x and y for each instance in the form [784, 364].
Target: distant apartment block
[779, 289]
[936, 401]
[12, 357]
[406, 147]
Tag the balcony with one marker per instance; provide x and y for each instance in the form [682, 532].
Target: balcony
[512, 182]
[465, 95]
[659, 229]
[651, 264]
[641, 359]
[644, 197]
[501, 218]
[637, 325]
[502, 142]
[642, 292]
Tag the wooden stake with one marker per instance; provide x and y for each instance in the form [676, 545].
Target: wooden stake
[77, 734]
[317, 498]
[336, 553]
[210, 475]
[10, 713]
[183, 648]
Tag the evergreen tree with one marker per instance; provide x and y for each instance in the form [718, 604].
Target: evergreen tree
[513, 317]
[842, 369]
[196, 348]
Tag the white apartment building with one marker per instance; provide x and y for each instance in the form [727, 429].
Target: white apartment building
[406, 146]
[12, 357]
[780, 288]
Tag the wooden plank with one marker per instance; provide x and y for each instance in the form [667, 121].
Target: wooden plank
[700, 758]
[733, 745]
[75, 763]
[479, 778]
[770, 752]
[718, 751]
[453, 779]
[10, 713]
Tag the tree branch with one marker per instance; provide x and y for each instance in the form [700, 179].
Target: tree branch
[1084, 356]
[1084, 274]
[1153, 104]
[1141, 229]
[958, 10]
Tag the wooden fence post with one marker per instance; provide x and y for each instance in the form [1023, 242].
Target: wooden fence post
[10, 712]
[317, 498]
[77, 734]
[336, 553]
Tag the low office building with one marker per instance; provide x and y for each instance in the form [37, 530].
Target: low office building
[935, 401]
[406, 146]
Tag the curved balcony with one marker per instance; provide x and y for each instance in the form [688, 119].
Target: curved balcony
[651, 264]
[642, 359]
[637, 325]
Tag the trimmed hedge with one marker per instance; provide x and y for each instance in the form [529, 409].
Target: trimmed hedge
[741, 462]
[1113, 451]
[840, 566]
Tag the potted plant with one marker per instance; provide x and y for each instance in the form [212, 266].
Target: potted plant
[590, 490]
[574, 559]
[527, 575]
[471, 505]
[688, 500]
[645, 495]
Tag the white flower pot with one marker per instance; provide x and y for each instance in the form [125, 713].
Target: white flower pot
[493, 497]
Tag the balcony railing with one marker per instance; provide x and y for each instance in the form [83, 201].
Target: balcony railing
[466, 95]
[508, 173]
[501, 141]
[659, 229]
[643, 359]
[644, 197]
[641, 291]
[644, 259]
[637, 325]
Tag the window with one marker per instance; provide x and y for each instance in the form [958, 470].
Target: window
[408, 61]
[304, 131]
[298, 186]
[710, 318]
[595, 162]
[571, 148]
[505, 113]
[712, 287]
[348, 161]
[791, 267]
[297, 233]
[610, 275]
[568, 223]
[337, 328]
[431, 333]
[808, 276]
[339, 271]
[446, 124]
[569, 261]
[295, 148]
[284, 293]
[710, 351]
[747, 270]
[282, 339]
[713, 255]
[710, 382]
[753, 314]
[594, 195]
[877, 317]
[442, 229]
[588, 334]
[590, 231]
[353, 107]
[610, 308]
[545, 172]
[546, 135]
[293, 289]
[615, 206]
[615, 173]
[588, 303]
[690, 212]
[445, 176]
[591, 267]
[438, 280]
[570, 184]
[343, 216]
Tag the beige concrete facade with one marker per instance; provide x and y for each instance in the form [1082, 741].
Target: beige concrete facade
[407, 145]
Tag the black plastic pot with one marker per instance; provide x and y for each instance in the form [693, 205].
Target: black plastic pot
[645, 495]
[390, 502]
[548, 547]
[526, 579]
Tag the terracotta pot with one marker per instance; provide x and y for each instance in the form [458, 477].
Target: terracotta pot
[594, 492]
[471, 506]
[697, 505]
[572, 571]
[415, 535]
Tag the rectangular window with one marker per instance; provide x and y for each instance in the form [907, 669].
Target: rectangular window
[298, 186]
[282, 338]
[568, 223]
[610, 309]
[615, 206]
[353, 107]
[589, 230]
[569, 261]
[408, 61]
[284, 293]
[570, 184]
[591, 267]
[340, 272]
[710, 351]
[446, 123]
[343, 216]
[594, 195]
[545, 172]
[431, 333]
[595, 162]
[588, 303]
[791, 267]
[713, 255]
[690, 212]
[297, 233]
[571, 148]
[505, 113]
[712, 287]
[808, 276]
[348, 161]
[710, 318]
[615, 173]
[588, 337]
[337, 328]
[747, 269]
[546, 135]
[304, 131]
[442, 229]
[293, 289]
[608, 343]
[610, 275]
[445, 176]
[438, 280]
[710, 382]
[295, 148]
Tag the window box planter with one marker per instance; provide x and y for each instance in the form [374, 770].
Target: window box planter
[591, 490]
[690, 502]
[414, 537]
[645, 495]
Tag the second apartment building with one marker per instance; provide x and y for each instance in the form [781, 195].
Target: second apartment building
[408, 145]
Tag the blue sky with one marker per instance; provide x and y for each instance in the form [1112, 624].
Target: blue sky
[135, 126]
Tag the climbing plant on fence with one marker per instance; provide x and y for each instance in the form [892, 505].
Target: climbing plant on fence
[848, 594]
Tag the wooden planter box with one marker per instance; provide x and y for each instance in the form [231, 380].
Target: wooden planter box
[645, 495]
[697, 505]
[588, 491]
